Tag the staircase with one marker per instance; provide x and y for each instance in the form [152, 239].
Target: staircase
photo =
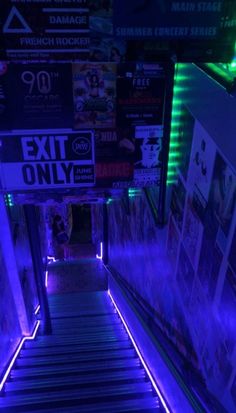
[87, 365]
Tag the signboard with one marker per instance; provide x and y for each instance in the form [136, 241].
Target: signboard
[194, 30]
[43, 97]
[47, 160]
[39, 29]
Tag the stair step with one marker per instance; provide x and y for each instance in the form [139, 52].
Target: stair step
[75, 348]
[79, 395]
[99, 355]
[147, 405]
[73, 380]
[86, 337]
[85, 368]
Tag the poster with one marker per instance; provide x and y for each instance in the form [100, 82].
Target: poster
[197, 317]
[172, 243]
[185, 136]
[222, 196]
[44, 95]
[209, 265]
[192, 234]
[114, 157]
[94, 88]
[201, 168]
[177, 204]
[185, 276]
[39, 30]
[199, 29]
[148, 149]
[46, 160]
[140, 94]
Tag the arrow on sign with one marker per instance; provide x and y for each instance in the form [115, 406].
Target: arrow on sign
[17, 17]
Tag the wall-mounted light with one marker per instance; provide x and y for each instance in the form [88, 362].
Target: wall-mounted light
[100, 257]
[181, 85]
[36, 311]
[46, 278]
[9, 200]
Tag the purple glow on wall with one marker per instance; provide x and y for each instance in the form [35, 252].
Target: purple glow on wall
[140, 355]
[99, 257]
[31, 337]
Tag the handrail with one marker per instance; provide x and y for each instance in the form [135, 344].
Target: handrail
[13, 358]
[135, 306]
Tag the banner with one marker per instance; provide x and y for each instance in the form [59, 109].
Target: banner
[55, 159]
[169, 19]
[38, 96]
[38, 29]
[94, 86]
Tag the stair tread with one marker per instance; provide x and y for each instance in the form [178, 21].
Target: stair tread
[137, 389]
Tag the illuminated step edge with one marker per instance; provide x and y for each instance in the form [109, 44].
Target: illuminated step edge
[140, 355]
[20, 345]
[176, 395]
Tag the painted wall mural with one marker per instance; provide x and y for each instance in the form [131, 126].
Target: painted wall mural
[186, 273]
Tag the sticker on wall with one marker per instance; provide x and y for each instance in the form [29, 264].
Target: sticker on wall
[201, 168]
[94, 86]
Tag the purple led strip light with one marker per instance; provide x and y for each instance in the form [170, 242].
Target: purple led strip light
[140, 356]
[32, 337]
[99, 257]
